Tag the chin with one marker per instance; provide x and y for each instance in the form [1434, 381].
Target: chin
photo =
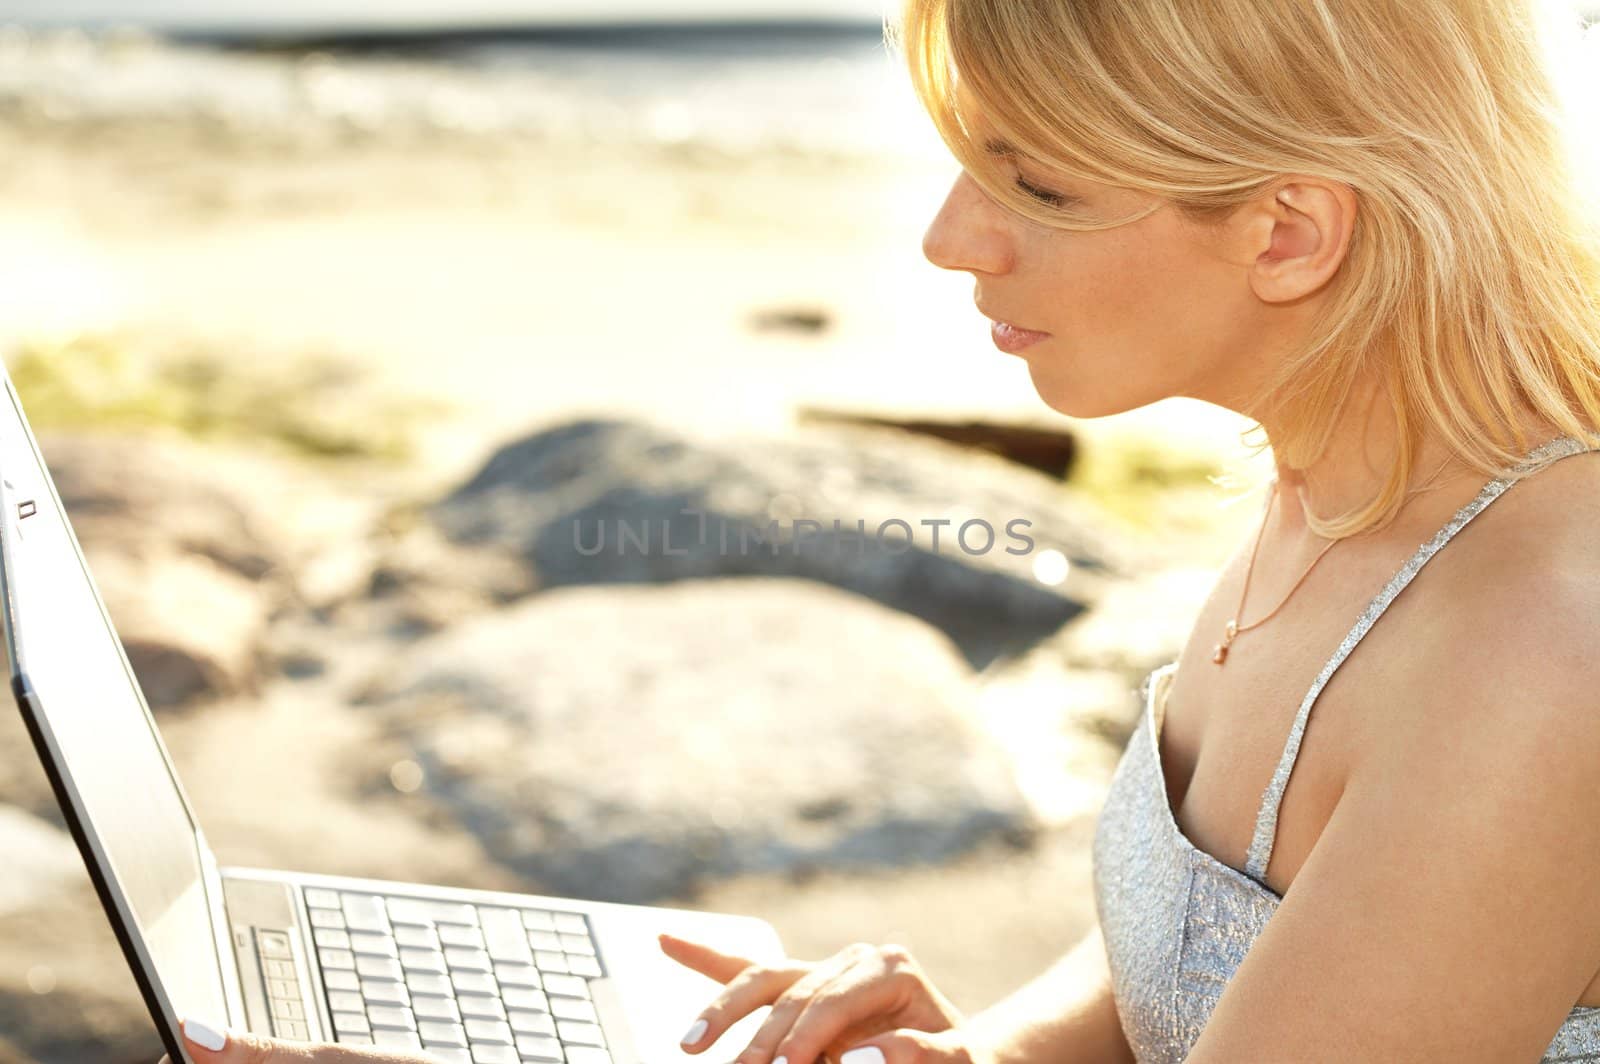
[1082, 399]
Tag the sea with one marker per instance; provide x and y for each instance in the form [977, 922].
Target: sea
[738, 76]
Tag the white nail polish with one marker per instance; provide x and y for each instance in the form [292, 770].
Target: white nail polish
[781, 1060]
[695, 1033]
[204, 1035]
[864, 1055]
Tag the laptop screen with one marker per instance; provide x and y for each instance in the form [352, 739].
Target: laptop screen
[106, 736]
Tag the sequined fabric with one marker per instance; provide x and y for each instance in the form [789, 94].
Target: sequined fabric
[1176, 921]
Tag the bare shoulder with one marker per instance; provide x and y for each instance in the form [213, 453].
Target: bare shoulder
[1513, 646]
[1447, 909]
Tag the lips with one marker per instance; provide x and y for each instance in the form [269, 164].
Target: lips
[1012, 339]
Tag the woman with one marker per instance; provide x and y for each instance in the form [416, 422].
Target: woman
[1357, 223]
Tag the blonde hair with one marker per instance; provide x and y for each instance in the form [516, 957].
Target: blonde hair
[1471, 284]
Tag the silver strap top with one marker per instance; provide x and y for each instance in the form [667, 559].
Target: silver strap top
[1260, 851]
[1176, 921]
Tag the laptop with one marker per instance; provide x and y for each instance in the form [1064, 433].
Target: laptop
[455, 973]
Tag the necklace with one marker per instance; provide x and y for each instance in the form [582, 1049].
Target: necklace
[1219, 653]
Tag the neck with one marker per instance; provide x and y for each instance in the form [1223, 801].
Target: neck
[1354, 466]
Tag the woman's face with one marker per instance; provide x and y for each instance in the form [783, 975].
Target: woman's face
[1135, 314]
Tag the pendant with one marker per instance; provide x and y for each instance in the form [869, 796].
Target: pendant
[1219, 653]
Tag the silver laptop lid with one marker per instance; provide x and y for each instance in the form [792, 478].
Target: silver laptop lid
[99, 744]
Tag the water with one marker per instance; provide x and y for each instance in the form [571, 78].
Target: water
[818, 88]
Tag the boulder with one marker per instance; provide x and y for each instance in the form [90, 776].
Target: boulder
[190, 571]
[995, 555]
[40, 856]
[628, 742]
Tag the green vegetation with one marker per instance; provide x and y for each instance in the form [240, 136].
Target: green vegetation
[1132, 476]
[312, 405]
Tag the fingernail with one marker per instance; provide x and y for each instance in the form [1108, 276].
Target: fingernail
[695, 1033]
[204, 1035]
[781, 1060]
[864, 1055]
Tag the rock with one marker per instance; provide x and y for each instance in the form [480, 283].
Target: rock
[190, 627]
[41, 857]
[628, 742]
[189, 570]
[421, 582]
[965, 541]
[141, 492]
[1049, 450]
[66, 994]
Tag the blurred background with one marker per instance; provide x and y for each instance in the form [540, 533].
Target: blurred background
[345, 326]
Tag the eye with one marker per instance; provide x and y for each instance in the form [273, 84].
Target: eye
[1043, 195]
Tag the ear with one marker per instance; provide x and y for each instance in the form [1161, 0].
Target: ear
[1298, 233]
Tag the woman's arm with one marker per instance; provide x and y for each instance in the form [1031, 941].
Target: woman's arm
[1447, 911]
[1064, 1016]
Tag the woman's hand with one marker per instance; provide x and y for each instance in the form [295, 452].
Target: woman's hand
[213, 1045]
[864, 1005]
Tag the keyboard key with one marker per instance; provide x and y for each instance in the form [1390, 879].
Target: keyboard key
[320, 898]
[354, 1039]
[273, 944]
[397, 1039]
[422, 960]
[350, 1023]
[371, 942]
[327, 918]
[336, 958]
[496, 1031]
[436, 1008]
[572, 1009]
[504, 936]
[538, 920]
[544, 940]
[425, 911]
[582, 1033]
[531, 1022]
[474, 983]
[472, 960]
[345, 1001]
[364, 912]
[585, 966]
[448, 1056]
[288, 1010]
[518, 975]
[394, 1016]
[292, 1030]
[331, 937]
[380, 968]
[550, 960]
[385, 992]
[476, 1005]
[278, 969]
[416, 937]
[522, 997]
[429, 983]
[456, 935]
[434, 1032]
[487, 1054]
[340, 979]
[587, 1055]
[573, 923]
[539, 1047]
[577, 944]
[570, 985]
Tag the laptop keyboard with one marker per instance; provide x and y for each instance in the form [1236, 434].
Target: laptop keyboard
[479, 984]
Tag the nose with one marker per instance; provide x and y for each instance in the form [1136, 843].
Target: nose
[968, 233]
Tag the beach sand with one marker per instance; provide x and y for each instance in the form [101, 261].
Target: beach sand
[527, 281]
